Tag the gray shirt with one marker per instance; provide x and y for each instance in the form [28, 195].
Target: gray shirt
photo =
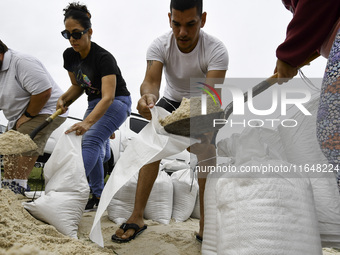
[22, 76]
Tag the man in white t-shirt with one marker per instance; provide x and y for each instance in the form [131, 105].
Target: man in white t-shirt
[183, 53]
[28, 95]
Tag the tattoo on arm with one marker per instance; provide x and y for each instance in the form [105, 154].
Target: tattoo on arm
[149, 64]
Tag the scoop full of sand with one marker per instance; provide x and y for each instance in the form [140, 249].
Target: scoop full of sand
[14, 142]
[190, 108]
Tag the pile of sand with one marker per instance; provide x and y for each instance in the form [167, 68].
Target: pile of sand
[329, 251]
[190, 108]
[14, 142]
[22, 234]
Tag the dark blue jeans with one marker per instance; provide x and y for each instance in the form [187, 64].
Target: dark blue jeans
[95, 142]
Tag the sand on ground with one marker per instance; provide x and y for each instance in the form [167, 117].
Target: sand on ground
[21, 233]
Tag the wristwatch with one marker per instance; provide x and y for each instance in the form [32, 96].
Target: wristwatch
[29, 115]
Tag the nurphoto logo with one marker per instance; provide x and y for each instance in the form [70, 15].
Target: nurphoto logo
[206, 89]
[281, 100]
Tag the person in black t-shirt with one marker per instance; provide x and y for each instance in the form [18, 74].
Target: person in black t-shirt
[94, 70]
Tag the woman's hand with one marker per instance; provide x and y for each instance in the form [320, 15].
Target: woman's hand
[80, 128]
[61, 104]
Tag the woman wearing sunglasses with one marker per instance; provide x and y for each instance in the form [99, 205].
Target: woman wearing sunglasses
[93, 70]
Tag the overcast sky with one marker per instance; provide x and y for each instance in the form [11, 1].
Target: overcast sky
[251, 31]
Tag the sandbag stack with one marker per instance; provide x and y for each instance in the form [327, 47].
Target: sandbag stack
[170, 197]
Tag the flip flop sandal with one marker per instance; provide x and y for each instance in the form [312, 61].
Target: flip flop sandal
[125, 227]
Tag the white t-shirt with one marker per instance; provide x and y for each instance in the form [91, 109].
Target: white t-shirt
[209, 54]
[20, 77]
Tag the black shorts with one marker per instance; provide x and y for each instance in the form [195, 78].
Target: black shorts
[168, 104]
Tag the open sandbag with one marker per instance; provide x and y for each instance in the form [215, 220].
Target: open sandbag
[66, 187]
[184, 195]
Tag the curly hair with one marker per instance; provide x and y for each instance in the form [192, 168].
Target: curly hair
[78, 12]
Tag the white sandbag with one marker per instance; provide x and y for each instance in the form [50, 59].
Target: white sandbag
[184, 198]
[327, 203]
[263, 215]
[159, 205]
[173, 164]
[300, 142]
[302, 148]
[227, 147]
[122, 203]
[63, 210]
[196, 212]
[245, 146]
[272, 139]
[266, 215]
[209, 244]
[66, 187]
[153, 143]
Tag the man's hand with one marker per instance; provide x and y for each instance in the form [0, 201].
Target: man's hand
[146, 102]
[285, 71]
[21, 121]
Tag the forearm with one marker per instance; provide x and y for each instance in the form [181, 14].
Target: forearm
[72, 94]
[98, 111]
[37, 102]
[149, 88]
[152, 81]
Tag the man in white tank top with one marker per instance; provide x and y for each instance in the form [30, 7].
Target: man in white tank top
[183, 53]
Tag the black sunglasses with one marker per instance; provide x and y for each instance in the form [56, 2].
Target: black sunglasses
[76, 35]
